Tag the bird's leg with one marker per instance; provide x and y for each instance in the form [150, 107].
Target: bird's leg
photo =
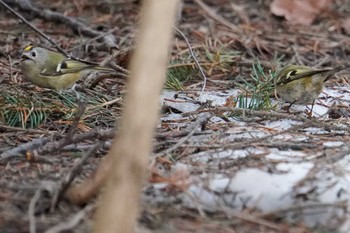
[309, 114]
[287, 108]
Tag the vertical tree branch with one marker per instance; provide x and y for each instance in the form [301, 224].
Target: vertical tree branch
[129, 153]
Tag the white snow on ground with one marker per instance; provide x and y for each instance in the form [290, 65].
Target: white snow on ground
[333, 144]
[204, 157]
[218, 99]
[282, 178]
[252, 188]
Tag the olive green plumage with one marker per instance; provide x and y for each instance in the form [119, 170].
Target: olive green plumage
[54, 70]
[301, 84]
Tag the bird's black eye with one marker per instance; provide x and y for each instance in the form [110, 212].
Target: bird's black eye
[64, 65]
[33, 54]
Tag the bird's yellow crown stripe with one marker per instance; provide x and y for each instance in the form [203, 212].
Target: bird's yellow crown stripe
[29, 47]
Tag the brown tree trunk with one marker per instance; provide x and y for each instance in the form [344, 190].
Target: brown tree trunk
[118, 206]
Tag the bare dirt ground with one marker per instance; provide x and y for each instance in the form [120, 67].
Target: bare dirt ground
[188, 188]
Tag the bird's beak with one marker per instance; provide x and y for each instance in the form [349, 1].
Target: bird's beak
[25, 56]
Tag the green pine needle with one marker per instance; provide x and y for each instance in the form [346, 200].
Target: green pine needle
[178, 74]
[256, 94]
[18, 109]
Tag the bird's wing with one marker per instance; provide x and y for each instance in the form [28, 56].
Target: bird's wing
[65, 67]
[294, 75]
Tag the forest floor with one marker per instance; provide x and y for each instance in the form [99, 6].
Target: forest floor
[224, 160]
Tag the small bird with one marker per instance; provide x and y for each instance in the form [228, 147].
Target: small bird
[54, 70]
[301, 84]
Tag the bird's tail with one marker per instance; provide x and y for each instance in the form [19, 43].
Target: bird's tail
[333, 71]
[104, 69]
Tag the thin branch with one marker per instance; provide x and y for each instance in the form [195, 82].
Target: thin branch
[31, 211]
[44, 146]
[72, 221]
[18, 151]
[216, 17]
[44, 186]
[32, 26]
[194, 58]
[71, 176]
[264, 114]
[192, 129]
[93, 39]
[77, 26]
[79, 113]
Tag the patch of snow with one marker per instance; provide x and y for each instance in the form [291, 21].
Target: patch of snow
[313, 130]
[289, 155]
[171, 117]
[216, 119]
[252, 188]
[333, 144]
[293, 176]
[217, 98]
[167, 98]
[281, 124]
[207, 156]
[248, 133]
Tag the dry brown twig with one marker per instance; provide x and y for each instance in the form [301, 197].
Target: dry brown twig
[93, 39]
[78, 115]
[27, 5]
[253, 219]
[31, 211]
[64, 184]
[191, 131]
[31, 25]
[76, 25]
[18, 129]
[72, 221]
[194, 58]
[19, 150]
[46, 145]
[44, 186]
[124, 72]
[216, 17]
[272, 115]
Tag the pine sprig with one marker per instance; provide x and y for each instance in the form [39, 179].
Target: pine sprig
[18, 109]
[255, 94]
